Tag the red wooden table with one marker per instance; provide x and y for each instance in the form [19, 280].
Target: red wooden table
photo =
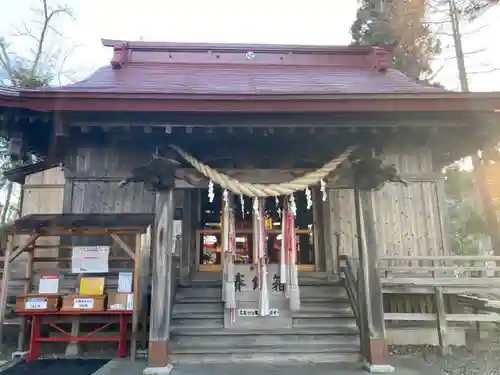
[39, 318]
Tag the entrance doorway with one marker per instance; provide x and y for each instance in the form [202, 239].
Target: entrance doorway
[209, 232]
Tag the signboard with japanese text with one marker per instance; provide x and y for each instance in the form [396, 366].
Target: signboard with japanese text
[248, 292]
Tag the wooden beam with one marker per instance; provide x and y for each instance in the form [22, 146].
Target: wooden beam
[123, 245]
[30, 241]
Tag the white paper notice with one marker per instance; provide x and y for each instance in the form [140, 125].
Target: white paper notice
[83, 303]
[177, 234]
[35, 304]
[90, 259]
[125, 282]
[130, 302]
[49, 284]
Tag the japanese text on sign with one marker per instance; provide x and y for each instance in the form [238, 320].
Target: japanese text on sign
[83, 303]
[90, 259]
[255, 312]
[35, 304]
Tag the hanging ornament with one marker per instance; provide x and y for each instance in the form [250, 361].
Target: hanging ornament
[256, 208]
[278, 209]
[211, 194]
[225, 196]
[293, 206]
[242, 202]
[309, 198]
[323, 189]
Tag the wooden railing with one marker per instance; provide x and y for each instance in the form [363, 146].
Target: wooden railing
[431, 288]
[349, 269]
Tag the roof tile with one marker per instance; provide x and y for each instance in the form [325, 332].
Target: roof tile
[176, 78]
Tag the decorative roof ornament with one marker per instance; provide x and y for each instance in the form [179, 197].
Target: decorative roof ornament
[250, 55]
[120, 56]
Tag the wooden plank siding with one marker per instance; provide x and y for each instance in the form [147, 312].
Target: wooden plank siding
[409, 219]
[43, 193]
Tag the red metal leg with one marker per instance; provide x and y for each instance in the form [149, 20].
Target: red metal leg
[122, 343]
[34, 348]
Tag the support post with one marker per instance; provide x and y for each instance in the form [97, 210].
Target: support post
[137, 297]
[159, 328]
[442, 325]
[28, 285]
[374, 346]
[5, 286]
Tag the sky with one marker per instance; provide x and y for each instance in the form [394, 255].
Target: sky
[321, 22]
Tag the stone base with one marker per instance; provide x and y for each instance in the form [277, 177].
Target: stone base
[378, 352]
[165, 370]
[158, 354]
[378, 369]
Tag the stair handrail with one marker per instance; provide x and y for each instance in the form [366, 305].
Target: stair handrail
[351, 284]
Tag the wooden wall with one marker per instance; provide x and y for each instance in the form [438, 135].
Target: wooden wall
[43, 193]
[410, 220]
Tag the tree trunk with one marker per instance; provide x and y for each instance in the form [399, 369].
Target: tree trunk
[7, 202]
[481, 181]
[489, 212]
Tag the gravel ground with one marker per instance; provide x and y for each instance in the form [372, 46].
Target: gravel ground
[484, 359]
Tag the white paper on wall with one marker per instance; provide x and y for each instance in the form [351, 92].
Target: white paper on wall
[90, 259]
[125, 280]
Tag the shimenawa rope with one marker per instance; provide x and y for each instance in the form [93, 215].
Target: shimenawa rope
[261, 190]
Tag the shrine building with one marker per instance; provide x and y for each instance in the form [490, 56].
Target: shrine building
[260, 194]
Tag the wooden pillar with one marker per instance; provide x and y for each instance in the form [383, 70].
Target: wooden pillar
[159, 325]
[374, 347]
[187, 237]
[318, 231]
[5, 285]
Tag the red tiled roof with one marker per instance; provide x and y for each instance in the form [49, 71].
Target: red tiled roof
[170, 68]
[224, 79]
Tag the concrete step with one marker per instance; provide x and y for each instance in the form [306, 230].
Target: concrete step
[230, 338]
[196, 324]
[312, 314]
[347, 357]
[199, 292]
[341, 321]
[229, 342]
[246, 348]
[319, 308]
[187, 299]
[322, 291]
[187, 308]
[196, 315]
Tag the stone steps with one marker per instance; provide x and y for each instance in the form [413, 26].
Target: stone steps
[324, 330]
[266, 357]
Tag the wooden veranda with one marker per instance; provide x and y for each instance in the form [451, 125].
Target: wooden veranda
[440, 289]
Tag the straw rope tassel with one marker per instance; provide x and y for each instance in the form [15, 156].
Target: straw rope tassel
[294, 277]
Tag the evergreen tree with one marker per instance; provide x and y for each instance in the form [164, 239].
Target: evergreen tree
[403, 24]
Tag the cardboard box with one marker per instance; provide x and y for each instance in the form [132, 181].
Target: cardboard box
[83, 303]
[38, 302]
[120, 301]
